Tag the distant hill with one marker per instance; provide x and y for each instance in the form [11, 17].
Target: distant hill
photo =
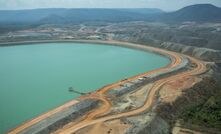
[26, 16]
[93, 15]
[143, 11]
[61, 15]
[199, 12]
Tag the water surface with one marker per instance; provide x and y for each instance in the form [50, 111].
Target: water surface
[36, 78]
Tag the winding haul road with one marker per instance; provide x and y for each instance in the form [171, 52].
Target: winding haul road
[200, 68]
[93, 117]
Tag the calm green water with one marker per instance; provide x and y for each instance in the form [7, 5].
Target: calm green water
[36, 78]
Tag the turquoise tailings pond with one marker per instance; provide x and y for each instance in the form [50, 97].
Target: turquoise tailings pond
[35, 78]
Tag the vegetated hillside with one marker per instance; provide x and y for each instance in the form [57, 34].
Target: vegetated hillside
[27, 16]
[206, 114]
[144, 11]
[199, 106]
[93, 15]
[199, 12]
[61, 15]
[12, 20]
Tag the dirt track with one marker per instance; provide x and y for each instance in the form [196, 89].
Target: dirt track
[200, 68]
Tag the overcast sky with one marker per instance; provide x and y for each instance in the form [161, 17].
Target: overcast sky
[167, 5]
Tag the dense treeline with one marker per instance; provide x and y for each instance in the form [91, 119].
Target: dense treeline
[206, 114]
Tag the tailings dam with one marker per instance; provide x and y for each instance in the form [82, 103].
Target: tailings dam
[35, 78]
